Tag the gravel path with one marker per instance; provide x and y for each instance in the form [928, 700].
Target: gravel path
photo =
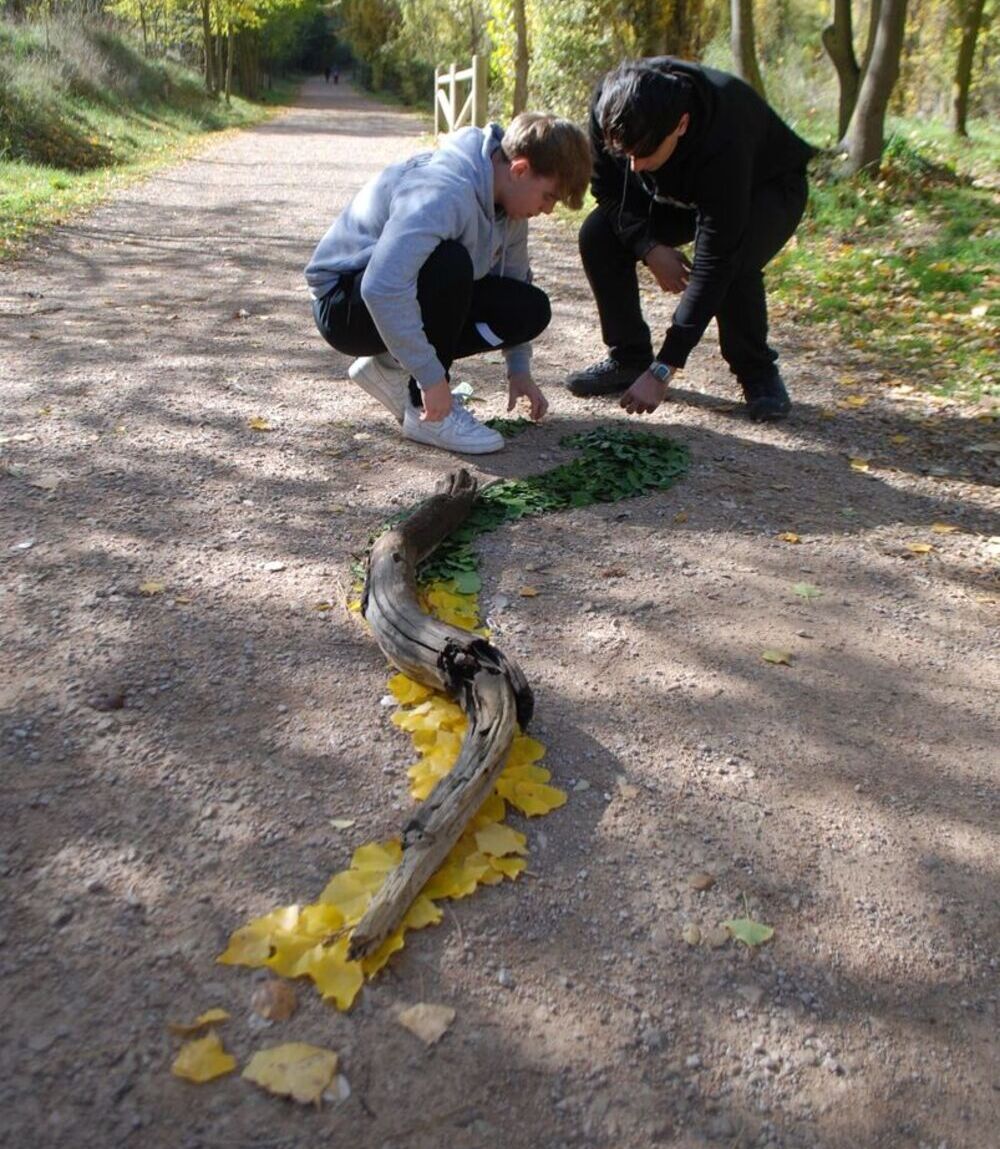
[172, 761]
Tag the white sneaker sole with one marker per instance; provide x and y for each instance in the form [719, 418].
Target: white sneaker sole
[393, 401]
[417, 432]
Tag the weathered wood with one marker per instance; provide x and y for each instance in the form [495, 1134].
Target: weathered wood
[489, 686]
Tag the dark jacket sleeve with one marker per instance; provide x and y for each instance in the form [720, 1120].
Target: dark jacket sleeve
[723, 213]
[620, 197]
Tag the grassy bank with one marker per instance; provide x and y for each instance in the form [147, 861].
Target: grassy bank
[82, 111]
[904, 267]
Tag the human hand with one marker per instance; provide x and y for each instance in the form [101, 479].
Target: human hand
[645, 395]
[670, 268]
[522, 386]
[437, 402]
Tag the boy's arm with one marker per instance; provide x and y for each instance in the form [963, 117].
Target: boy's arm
[515, 265]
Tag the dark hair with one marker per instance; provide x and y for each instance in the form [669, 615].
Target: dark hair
[639, 106]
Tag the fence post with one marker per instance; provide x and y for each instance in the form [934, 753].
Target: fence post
[478, 92]
[437, 103]
[452, 98]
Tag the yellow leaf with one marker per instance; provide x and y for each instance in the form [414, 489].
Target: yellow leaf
[151, 587]
[428, 1022]
[499, 840]
[492, 810]
[681, 517]
[899, 440]
[295, 1070]
[853, 401]
[209, 1017]
[858, 464]
[510, 867]
[422, 913]
[524, 750]
[531, 798]
[789, 537]
[528, 592]
[274, 1000]
[336, 978]
[944, 528]
[350, 893]
[406, 691]
[203, 1059]
[778, 657]
[374, 962]
[920, 548]
[324, 605]
[259, 423]
[251, 945]
[377, 857]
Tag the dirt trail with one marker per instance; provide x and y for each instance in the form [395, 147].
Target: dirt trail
[851, 796]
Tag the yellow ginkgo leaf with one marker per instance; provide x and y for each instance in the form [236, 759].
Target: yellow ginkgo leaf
[209, 1017]
[528, 592]
[492, 810]
[295, 1070]
[151, 587]
[789, 537]
[920, 548]
[944, 528]
[854, 401]
[406, 691]
[531, 798]
[374, 962]
[524, 749]
[426, 1021]
[203, 1059]
[899, 440]
[337, 979]
[422, 913]
[377, 857]
[510, 867]
[778, 657]
[259, 423]
[251, 945]
[858, 464]
[498, 841]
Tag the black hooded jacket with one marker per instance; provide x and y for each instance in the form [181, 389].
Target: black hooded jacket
[734, 143]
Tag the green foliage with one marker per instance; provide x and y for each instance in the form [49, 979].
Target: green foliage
[614, 463]
[903, 268]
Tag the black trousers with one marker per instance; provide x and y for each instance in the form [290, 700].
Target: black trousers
[461, 316]
[775, 212]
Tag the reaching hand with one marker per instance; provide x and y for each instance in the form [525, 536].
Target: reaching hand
[522, 386]
[437, 402]
[670, 268]
[645, 395]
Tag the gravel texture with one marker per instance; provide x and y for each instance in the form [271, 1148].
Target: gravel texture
[172, 761]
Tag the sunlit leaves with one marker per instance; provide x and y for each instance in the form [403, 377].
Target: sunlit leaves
[295, 1070]
[806, 590]
[749, 932]
[778, 657]
[202, 1060]
[209, 1017]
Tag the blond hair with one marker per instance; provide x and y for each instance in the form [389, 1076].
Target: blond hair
[553, 147]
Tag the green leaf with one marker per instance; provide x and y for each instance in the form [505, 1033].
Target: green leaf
[468, 582]
[749, 932]
[807, 591]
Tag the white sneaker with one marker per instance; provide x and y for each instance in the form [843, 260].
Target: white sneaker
[460, 431]
[383, 378]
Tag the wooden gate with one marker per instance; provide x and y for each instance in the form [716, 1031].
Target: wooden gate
[448, 116]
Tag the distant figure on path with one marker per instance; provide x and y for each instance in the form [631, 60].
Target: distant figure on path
[336, 75]
[683, 153]
[326, 74]
[429, 263]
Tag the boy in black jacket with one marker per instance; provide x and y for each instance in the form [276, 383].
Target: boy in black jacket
[685, 152]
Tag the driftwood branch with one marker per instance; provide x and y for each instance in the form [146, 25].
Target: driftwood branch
[489, 686]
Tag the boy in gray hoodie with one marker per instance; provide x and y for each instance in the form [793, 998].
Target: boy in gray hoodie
[429, 263]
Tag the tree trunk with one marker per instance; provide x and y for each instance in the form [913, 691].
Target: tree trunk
[971, 17]
[521, 57]
[742, 42]
[865, 136]
[874, 15]
[206, 31]
[229, 66]
[838, 40]
[490, 688]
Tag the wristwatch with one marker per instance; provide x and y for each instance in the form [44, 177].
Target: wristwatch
[662, 371]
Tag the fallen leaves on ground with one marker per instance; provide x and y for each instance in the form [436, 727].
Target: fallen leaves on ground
[295, 1070]
[259, 423]
[209, 1017]
[151, 587]
[778, 657]
[274, 1000]
[920, 548]
[429, 1022]
[789, 537]
[807, 591]
[202, 1060]
[748, 931]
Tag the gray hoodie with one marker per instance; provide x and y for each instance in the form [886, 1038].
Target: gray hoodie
[396, 221]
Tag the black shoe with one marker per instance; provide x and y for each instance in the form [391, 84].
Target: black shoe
[767, 399]
[604, 378]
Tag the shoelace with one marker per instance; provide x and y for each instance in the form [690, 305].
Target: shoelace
[463, 417]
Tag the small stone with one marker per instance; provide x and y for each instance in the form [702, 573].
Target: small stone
[61, 916]
[505, 978]
[691, 934]
[692, 1062]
